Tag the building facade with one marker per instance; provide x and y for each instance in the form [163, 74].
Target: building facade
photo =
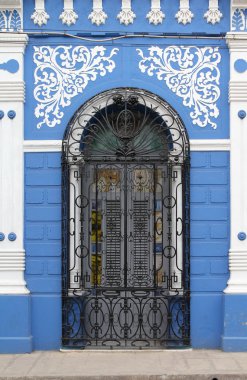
[122, 141]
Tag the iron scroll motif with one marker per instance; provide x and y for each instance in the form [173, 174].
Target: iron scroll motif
[126, 224]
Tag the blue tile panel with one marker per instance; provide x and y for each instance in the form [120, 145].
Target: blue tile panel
[210, 233]
[209, 245]
[43, 221]
[43, 246]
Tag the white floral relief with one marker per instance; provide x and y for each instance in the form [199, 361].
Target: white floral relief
[192, 73]
[63, 72]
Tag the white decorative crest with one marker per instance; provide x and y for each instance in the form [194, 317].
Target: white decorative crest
[62, 73]
[184, 15]
[213, 14]
[126, 16]
[68, 16]
[40, 16]
[239, 19]
[155, 16]
[97, 16]
[192, 73]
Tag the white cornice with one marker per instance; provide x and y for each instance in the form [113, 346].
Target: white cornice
[56, 145]
[237, 41]
[13, 38]
[239, 3]
[7, 4]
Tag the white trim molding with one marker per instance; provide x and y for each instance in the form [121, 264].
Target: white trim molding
[42, 146]
[213, 14]
[12, 254]
[68, 16]
[98, 16]
[210, 145]
[237, 283]
[126, 16]
[184, 15]
[40, 16]
[155, 15]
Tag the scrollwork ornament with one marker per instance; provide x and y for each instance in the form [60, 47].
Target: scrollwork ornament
[63, 72]
[192, 73]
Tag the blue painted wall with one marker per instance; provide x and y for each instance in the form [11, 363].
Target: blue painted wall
[43, 246]
[209, 172]
[209, 245]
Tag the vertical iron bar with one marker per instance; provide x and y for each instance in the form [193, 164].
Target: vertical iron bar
[125, 227]
[96, 230]
[155, 222]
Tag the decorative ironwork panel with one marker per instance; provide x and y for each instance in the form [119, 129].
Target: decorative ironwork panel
[126, 224]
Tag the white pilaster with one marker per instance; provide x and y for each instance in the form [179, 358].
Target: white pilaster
[213, 14]
[68, 16]
[155, 16]
[126, 16]
[12, 254]
[184, 15]
[237, 283]
[97, 16]
[40, 16]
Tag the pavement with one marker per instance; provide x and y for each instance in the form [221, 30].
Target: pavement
[124, 365]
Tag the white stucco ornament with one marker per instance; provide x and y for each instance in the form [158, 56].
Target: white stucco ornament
[155, 16]
[68, 16]
[63, 72]
[192, 73]
[39, 16]
[126, 16]
[213, 14]
[98, 16]
[184, 15]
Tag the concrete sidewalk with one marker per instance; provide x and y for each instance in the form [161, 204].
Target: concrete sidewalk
[125, 365]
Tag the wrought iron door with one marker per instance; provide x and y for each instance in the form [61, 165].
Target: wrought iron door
[126, 227]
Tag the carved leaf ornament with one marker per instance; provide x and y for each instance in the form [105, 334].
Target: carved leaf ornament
[192, 73]
[63, 72]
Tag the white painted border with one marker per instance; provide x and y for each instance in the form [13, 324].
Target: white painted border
[56, 145]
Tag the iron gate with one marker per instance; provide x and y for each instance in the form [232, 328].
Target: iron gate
[126, 224]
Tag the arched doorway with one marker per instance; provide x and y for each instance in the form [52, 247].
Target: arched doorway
[126, 224]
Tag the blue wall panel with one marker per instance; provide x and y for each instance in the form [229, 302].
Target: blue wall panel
[15, 326]
[43, 246]
[210, 235]
[209, 246]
